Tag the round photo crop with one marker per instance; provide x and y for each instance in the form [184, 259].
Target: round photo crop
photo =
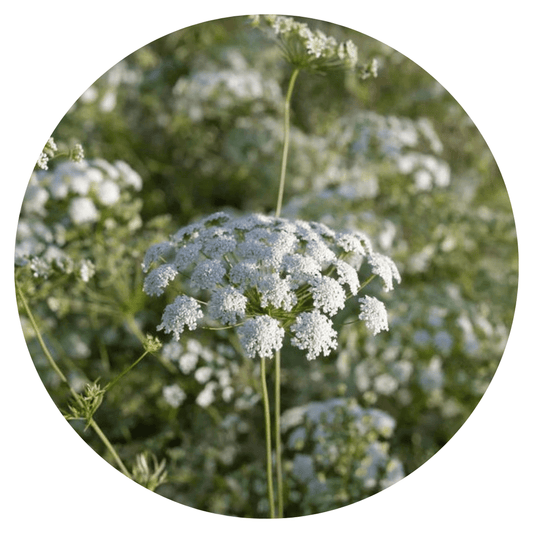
[266, 266]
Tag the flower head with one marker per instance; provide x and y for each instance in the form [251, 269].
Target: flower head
[261, 335]
[266, 276]
[314, 332]
[374, 314]
[184, 311]
[228, 305]
[174, 395]
[385, 268]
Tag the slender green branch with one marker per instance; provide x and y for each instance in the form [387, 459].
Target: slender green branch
[363, 285]
[45, 349]
[277, 431]
[222, 327]
[268, 440]
[286, 134]
[136, 330]
[124, 372]
[110, 447]
[64, 379]
[366, 282]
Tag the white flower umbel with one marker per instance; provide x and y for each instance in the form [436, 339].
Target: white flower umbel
[328, 295]
[314, 332]
[158, 279]
[262, 336]
[385, 268]
[266, 276]
[228, 305]
[184, 311]
[208, 274]
[374, 314]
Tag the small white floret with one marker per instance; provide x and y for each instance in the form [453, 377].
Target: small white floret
[184, 311]
[328, 295]
[208, 274]
[227, 305]
[386, 269]
[314, 332]
[83, 210]
[374, 314]
[261, 335]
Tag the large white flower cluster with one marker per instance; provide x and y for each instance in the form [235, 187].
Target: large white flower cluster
[269, 277]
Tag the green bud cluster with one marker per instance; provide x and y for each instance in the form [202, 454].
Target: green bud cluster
[85, 406]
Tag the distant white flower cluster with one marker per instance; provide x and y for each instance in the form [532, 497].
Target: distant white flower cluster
[72, 194]
[238, 84]
[311, 425]
[381, 145]
[267, 276]
[88, 185]
[104, 92]
[214, 370]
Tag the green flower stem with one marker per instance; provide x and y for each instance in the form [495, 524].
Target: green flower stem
[47, 353]
[130, 320]
[64, 379]
[277, 416]
[124, 372]
[277, 393]
[110, 447]
[268, 440]
[286, 133]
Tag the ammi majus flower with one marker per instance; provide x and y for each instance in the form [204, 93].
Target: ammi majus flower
[270, 277]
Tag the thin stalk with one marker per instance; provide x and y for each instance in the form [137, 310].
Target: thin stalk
[277, 416]
[124, 372]
[268, 440]
[47, 353]
[64, 379]
[277, 387]
[110, 447]
[286, 134]
[366, 282]
[130, 320]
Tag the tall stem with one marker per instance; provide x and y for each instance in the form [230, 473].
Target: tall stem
[277, 413]
[277, 387]
[286, 134]
[64, 379]
[268, 440]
